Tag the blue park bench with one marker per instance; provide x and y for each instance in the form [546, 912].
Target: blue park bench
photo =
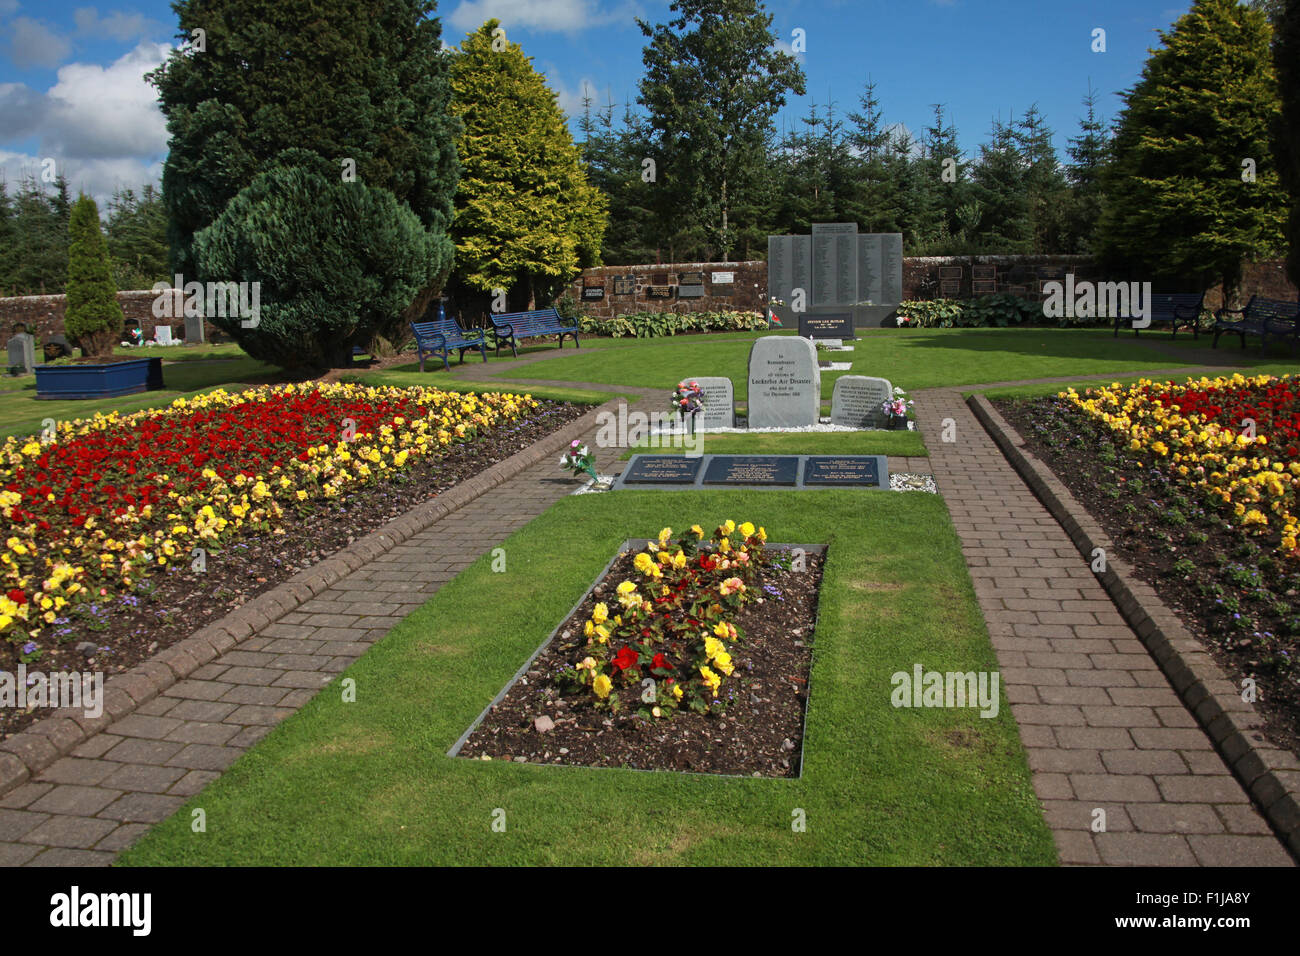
[1262, 317]
[510, 327]
[1177, 308]
[442, 335]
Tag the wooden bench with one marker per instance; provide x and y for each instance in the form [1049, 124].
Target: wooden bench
[510, 327]
[1262, 317]
[442, 335]
[1175, 308]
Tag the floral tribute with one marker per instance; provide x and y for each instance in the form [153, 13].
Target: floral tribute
[896, 405]
[109, 498]
[1234, 440]
[674, 622]
[687, 400]
[578, 459]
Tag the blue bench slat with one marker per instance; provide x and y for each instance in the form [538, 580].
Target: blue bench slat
[440, 336]
[1174, 308]
[1262, 317]
[510, 327]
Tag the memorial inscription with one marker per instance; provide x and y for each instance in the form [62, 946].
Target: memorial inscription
[854, 470]
[752, 470]
[784, 383]
[857, 399]
[662, 470]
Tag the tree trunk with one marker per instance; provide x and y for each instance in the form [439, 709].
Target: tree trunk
[532, 294]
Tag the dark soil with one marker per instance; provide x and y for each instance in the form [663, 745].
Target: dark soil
[1226, 588]
[169, 606]
[760, 733]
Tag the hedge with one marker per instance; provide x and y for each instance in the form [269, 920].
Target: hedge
[645, 325]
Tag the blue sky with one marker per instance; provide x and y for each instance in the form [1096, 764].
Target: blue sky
[71, 84]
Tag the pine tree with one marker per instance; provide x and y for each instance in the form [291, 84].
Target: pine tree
[1002, 192]
[137, 237]
[94, 317]
[876, 204]
[1286, 129]
[526, 216]
[1089, 153]
[712, 85]
[39, 253]
[1180, 198]
[1045, 183]
[8, 250]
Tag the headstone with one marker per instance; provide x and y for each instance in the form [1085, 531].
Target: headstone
[719, 401]
[785, 384]
[162, 334]
[56, 346]
[846, 470]
[856, 401]
[193, 329]
[22, 352]
[661, 470]
[752, 470]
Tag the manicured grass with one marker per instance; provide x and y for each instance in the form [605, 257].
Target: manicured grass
[184, 353]
[21, 412]
[889, 443]
[909, 358]
[369, 782]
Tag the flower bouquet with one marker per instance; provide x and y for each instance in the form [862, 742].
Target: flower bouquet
[687, 402]
[579, 460]
[896, 408]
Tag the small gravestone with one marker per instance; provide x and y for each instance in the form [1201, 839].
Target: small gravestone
[56, 346]
[857, 399]
[719, 402]
[752, 470]
[162, 334]
[785, 384]
[845, 470]
[662, 470]
[22, 353]
[193, 329]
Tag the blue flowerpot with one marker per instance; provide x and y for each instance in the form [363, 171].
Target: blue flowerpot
[106, 380]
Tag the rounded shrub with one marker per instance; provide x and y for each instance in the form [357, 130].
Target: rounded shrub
[94, 317]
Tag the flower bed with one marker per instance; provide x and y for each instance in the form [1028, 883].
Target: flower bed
[115, 496]
[696, 659]
[1203, 512]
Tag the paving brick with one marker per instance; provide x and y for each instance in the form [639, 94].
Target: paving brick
[1143, 761]
[193, 782]
[1167, 738]
[79, 833]
[1175, 818]
[1143, 849]
[75, 770]
[75, 800]
[59, 856]
[303, 679]
[1201, 789]
[138, 750]
[15, 823]
[1242, 818]
[1075, 846]
[249, 736]
[199, 732]
[143, 808]
[1080, 815]
[154, 728]
[1237, 850]
[1111, 716]
[1118, 788]
[122, 836]
[1058, 760]
[143, 778]
[16, 854]
[23, 795]
[1094, 738]
[205, 710]
[204, 757]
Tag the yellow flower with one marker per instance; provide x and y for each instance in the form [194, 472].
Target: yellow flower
[713, 647]
[677, 691]
[602, 685]
[600, 613]
[747, 529]
[664, 535]
[697, 531]
[627, 587]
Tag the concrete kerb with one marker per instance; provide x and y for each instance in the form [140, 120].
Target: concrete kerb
[1266, 773]
[30, 751]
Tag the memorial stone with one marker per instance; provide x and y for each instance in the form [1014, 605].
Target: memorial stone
[785, 384]
[22, 353]
[856, 401]
[719, 402]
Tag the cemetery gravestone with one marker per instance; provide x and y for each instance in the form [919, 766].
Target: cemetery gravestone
[785, 384]
[662, 470]
[193, 329]
[162, 334]
[752, 470]
[719, 402]
[22, 353]
[844, 470]
[856, 401]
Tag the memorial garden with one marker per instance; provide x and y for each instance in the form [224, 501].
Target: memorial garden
[461, 548]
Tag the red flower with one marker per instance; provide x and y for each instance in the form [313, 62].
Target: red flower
[660, 663]
[17, 596]
[626, 658]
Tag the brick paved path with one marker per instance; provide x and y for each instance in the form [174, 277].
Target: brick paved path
[1102, 727]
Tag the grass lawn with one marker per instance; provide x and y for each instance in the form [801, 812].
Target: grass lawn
[889, 443]
[909, 358]
[369, 783]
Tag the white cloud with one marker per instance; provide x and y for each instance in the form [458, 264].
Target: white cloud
[570, 97]
[117, 25]
[32, 43]
[546, 16]
[7, 7]
[101, 125]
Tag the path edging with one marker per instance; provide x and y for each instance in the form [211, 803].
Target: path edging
[1271, 776]
[34, 748]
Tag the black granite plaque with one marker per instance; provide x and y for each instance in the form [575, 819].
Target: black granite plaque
[593, 291]
[826, 325]
[662, 470]
[690, 291]
[984, 286]
[658, 292]
[949, 287]
[828, 470]
[983, 273]
[752, 470]
[691, 278]
[950, 272]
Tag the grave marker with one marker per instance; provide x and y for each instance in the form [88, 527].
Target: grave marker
[785, 384]
[719, 401]
[856, 401]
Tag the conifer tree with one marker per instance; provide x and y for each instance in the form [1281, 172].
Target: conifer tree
[1194, 188]
[1286, 130]
[526, 214]
[94, 317]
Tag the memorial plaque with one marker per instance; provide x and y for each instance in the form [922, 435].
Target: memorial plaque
[690, 291]
[950, 272]
[891, 267]
[834, 228]
[728, 278]
[1051, 272]
[752, 470]
[719, 401]
[1018, 290]
[856, 401]
[691, 278]
[593, 291]
[658, 292]
[659, 278]
[785, 384]
[780, 265]
[22, 352]
[949, 287]
[835, 269]
[826, 325]
[801, 268]
[869, 274]
[984, 273]
[844, 470]
[625, 285]
[984, 286]
[162, 334]
[662, 470]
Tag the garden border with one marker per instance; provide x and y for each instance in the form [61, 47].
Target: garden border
[1271, 776]
[628, 545]
[37, 746]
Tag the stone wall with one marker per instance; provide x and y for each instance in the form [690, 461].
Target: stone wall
[747, 291]
[43, 315]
